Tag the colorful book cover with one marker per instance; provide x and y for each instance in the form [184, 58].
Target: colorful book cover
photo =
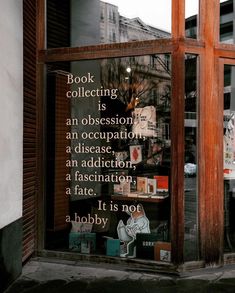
[135, 154]
[152, 186]
[126, 187]
[162, 183]
[142, 184]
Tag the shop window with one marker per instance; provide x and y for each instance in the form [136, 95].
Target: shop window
[190, 167]
[108, 158]
[229, 163]
[101, 175]
[78, 23]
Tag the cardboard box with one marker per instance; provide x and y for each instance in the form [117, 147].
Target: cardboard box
[162, 251]
[145, 243]
[75, 241]
[113, 247]
[82, 242]
[88, 243]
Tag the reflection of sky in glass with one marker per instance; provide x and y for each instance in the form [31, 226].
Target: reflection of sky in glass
[191, 7]
[153, 12]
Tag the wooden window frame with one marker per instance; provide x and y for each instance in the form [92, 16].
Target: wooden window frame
[212, 55]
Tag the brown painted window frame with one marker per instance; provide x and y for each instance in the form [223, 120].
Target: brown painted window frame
[212, 56]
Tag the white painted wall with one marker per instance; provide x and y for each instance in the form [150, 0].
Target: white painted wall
[11, 110]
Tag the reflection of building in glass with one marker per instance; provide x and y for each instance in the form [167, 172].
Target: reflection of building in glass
[141, 83]
[137, 78]
[226, 36]
[117, 28]
[226, 23]
[148, 79]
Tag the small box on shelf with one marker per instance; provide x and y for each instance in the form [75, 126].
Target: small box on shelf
[82, 242]
[162, 251]
[142, 184]
[145, 243]
[113, 247]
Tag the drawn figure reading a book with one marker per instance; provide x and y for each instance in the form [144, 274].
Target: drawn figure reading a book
[137, 223]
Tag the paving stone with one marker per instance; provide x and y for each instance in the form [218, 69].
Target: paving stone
[228, 275]
[151, 286]
[229, 281]
[75, 287]
[22, 285]
[220, 287]
[125, 286]
[49, 277]
[55, 286]
[186, 285]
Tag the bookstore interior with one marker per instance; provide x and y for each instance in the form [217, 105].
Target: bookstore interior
[136, 127]
[109, 152]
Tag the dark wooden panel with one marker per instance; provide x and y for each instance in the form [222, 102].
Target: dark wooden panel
[29, 156]
[58, 23]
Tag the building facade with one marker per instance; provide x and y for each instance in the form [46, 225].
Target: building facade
[115, 28]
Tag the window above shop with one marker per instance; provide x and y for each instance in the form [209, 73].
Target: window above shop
[79, 23]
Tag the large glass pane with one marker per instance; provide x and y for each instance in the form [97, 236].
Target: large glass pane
[229, 155]
[191, 18]
[108, 157]
[190, 168]
[227, 21]
[80, 22]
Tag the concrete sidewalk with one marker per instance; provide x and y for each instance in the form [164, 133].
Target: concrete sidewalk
[53, 276]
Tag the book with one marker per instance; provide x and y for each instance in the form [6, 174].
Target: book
[142, 184]
[162, 183]
[152, 186]
[117, 189]
[160, 195]
[135, 154]
[132, 194]
[122, 189]
[126, 187]
[141, 195]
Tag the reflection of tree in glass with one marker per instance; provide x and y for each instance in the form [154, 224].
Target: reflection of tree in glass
[138, 80]
[190, 83]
